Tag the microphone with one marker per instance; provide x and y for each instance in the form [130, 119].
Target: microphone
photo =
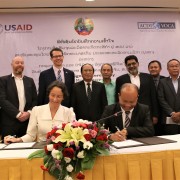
[102, 120]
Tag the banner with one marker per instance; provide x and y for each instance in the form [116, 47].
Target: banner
[94, 38]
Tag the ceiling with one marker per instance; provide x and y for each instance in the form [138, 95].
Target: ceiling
[82, 5]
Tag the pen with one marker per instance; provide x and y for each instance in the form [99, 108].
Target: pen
[117, 128]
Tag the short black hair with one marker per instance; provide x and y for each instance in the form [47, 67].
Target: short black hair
[87, 64]
[155, 61]
[59, 85]
[129, 58]
[172, 60]
[108, 65]
[55, 49]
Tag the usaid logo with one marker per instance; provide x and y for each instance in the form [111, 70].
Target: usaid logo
[16, 28]
[156, 25]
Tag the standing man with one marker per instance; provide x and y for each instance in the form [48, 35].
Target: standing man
[106, 72]
[88, 96]
[17, 97]
[169, 98]
[144, 82]
[134, 121]
[154, 68]
[56, 72]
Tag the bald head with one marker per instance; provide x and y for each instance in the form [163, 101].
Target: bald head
[17, 66]
[128, 96]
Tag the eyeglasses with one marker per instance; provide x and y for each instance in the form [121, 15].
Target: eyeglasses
[58, 56]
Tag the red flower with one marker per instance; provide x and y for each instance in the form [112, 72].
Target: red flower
[102, 137]
[88, 137]
[44, 168]
[80, 175]
[63, 125]
[95, 128]
[57, 145]
[51, 133]
[68, 152]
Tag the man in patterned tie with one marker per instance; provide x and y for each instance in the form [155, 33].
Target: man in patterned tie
[56, 72]
[134, 119]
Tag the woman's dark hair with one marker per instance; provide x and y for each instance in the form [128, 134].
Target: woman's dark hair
[59, 85]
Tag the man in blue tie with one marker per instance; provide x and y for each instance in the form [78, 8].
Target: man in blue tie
[56, 72]
[134, 121]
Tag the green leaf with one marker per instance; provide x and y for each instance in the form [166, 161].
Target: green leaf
[103, 151]
[87, 163]
[37, 154]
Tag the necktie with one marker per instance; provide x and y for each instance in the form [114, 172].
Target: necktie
[156, 83]
[89, 92]
[127, 119]
[59, 78]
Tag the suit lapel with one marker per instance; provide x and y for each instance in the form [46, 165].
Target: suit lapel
[118, 119]
[14, 87]
[171, 86]
[82, 84]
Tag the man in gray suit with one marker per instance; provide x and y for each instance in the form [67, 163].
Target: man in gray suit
[169, 98]
[17, 97]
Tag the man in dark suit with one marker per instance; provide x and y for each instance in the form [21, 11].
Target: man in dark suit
[155, 68]
[169, 98]
[17, 97]
[134, 121]
[88, 96]
[57, 72]
[144, 82]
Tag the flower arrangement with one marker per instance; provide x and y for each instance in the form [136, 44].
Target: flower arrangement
[73, 148]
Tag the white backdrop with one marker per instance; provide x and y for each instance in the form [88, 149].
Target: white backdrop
[148, 35]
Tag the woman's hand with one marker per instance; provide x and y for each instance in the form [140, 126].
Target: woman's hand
[11, 139]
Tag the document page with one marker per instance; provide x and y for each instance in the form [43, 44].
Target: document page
[126, 143]
[20, 145]
[2, 146]
[170, 121]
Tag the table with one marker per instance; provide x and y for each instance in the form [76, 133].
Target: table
[157, 162]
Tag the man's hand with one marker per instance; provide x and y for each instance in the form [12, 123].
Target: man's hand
[175, 117]
[155, 120]
[24, 116]
[119, 135]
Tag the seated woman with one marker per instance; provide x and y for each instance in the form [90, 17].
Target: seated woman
[44, 117]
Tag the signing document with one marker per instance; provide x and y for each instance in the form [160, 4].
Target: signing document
[126, 143]
[20, 145]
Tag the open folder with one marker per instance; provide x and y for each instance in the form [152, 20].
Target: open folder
[154, 140]
[142, 142]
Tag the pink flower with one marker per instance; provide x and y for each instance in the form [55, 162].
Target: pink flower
[93, 133]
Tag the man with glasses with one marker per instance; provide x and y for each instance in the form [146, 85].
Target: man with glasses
[88, 96]
[144, 82]
[56, 72]
[169, 98]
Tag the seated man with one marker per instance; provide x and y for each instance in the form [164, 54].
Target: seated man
[134, 119]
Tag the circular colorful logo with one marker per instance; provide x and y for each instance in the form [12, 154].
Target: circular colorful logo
[84, 26]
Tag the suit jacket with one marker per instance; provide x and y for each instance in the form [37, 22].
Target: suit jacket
[140, 124]
[46, 78]
[169, 100]
[147, 91]
[79, 101]
[9, 101]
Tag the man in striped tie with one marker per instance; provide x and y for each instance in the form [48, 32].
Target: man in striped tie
[128, 118]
